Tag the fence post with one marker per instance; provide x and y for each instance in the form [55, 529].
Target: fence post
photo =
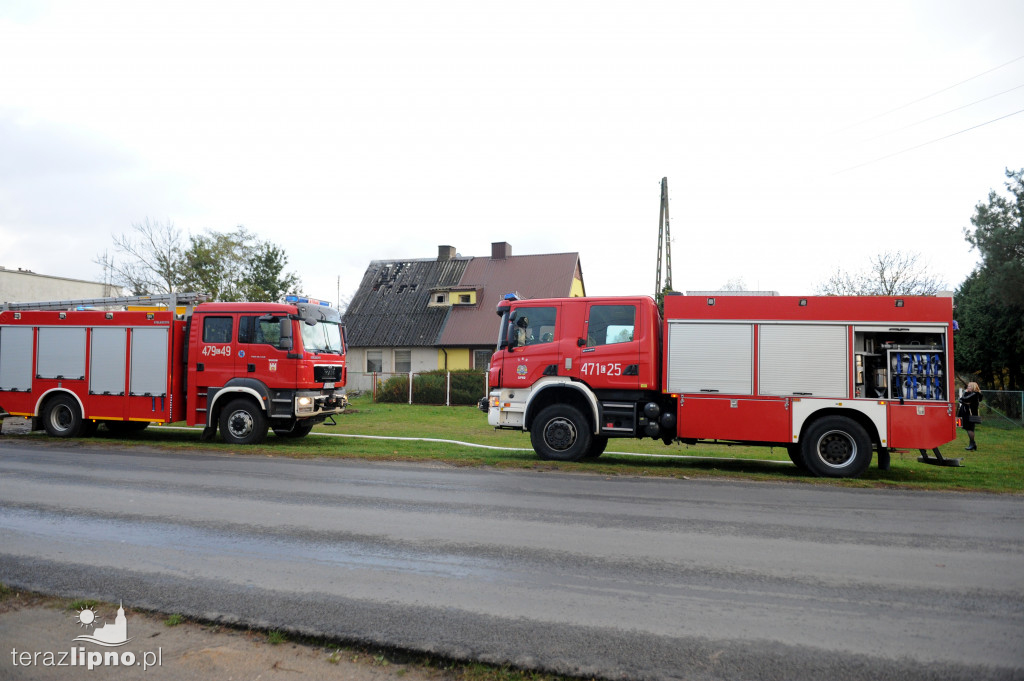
[448, 389]
[374, 375]
[410, 387]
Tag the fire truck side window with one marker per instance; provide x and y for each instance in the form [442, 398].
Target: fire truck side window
[533, 325]
[217, 330]
[610, 324]
[256, 330]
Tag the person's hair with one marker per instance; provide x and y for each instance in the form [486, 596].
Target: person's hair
[973, 387]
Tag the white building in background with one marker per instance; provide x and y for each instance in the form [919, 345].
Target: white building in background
[24, 286]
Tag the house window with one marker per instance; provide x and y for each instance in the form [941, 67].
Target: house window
[374, 361]
[403, 361]
[439, 299]
[482, 359]
[464, 299]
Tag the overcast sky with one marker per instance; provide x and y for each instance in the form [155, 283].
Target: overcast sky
[797, 137]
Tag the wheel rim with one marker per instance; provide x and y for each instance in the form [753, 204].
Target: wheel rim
[240, 423]
[560, 434]
[61, 417]
[836, 449]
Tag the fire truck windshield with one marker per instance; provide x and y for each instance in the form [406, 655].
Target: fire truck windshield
[322, 337]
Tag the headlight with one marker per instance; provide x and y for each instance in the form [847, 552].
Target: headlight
[304, 405]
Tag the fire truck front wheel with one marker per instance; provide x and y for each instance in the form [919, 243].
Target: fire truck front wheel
[560, 433]
[62, 418]
[242, 422]
[836, 447]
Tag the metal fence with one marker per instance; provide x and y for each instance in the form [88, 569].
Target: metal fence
[439, 387]
[1008, 404]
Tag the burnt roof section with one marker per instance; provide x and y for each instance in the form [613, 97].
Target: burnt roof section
[390, 309]
[531, 276]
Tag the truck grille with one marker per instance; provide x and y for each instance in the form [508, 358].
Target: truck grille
[326, 373]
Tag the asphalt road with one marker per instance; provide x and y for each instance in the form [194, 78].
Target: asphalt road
[580, 574]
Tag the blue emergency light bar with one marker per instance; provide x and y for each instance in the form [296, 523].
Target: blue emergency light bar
[303, 299]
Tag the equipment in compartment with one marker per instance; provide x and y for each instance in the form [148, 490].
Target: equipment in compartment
[917, 373]
[900, 365]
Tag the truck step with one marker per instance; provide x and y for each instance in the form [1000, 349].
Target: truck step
[938, 459]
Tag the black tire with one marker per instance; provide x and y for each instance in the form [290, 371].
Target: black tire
[796, 455]
[560, 433]
[836, 447]
[62, 417]
[242, 422]
[300, 429]
[597, 447]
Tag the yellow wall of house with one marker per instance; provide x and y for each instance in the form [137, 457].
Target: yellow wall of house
[458, 358]
[577, 288]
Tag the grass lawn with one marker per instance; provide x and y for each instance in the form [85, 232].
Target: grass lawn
[998, 465]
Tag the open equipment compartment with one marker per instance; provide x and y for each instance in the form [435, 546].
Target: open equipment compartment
[901, 363]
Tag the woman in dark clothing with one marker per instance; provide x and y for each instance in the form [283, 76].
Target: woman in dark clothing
[970, 402]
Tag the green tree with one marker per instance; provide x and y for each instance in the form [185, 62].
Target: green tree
[990, 302]
[999, 236]
[228, 266]
[266, 278]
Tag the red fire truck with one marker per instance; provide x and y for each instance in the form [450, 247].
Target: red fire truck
[245, 367]
[830, 379]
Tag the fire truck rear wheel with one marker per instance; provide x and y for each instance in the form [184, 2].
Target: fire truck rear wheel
[62, 418]
[242, 422]
[836, 447]
[560, 433]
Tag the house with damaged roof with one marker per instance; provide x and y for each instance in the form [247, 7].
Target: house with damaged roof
[438, 313]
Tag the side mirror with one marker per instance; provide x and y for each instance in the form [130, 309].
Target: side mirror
[285, 342]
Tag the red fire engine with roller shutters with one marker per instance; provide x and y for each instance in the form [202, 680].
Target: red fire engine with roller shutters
[243, 367]
[830, 379]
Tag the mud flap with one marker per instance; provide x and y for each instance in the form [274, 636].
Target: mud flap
[208, 433]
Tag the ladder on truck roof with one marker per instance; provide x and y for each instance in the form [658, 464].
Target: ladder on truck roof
[171, 300]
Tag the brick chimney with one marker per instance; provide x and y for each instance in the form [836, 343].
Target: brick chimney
[445, 252]
[500, 250]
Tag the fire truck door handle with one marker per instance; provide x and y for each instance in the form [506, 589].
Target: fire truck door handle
[580, 342]
[632, 370]
[709, 390]
[251, 368]
[200, 367]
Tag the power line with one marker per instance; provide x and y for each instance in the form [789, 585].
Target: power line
[937, 92]
[932, 118]
[924, 144]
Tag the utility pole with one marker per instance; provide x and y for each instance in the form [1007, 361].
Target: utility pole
[664, 243]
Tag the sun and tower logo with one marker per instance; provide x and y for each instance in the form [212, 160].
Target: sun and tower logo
[109, 635]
